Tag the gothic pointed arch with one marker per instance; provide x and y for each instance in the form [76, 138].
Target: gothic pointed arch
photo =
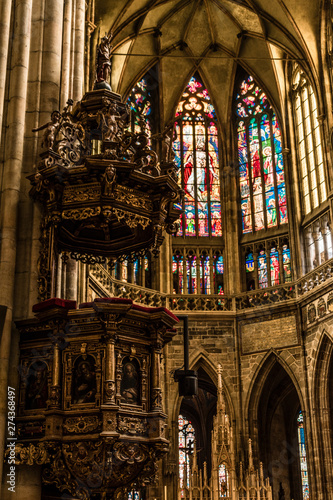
[261, 167]
[198, 265]
[273, 408]
[322, 393]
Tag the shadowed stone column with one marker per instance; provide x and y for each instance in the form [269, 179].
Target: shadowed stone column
[11, 189]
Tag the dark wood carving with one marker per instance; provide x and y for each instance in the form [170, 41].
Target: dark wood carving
[103, 429]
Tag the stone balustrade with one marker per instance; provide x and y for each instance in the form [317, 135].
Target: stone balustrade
[105, 284]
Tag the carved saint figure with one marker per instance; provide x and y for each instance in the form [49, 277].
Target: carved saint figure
[51, 130]
[84, 389]
[110, 119]
[103, 62]
[109, 178]
[37, 391]
[129, 384]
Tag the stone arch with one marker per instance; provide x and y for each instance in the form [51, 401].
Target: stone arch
[272, 407]
[322, 387]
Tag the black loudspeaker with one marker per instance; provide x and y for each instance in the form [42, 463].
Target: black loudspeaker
[188, 382]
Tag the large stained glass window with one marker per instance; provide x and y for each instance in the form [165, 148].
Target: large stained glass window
[186, 437]
[302, 457]
[197, 158]
[261, 170]
[310, 153]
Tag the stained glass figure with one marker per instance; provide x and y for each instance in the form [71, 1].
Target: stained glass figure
[275, 267]
[261, 170]
[141, 101]
[186, 438]
[223, 481]
[310, 153]
[197, 158]
[249, 268]
[262, 270]
[302, 457]
[286, 264]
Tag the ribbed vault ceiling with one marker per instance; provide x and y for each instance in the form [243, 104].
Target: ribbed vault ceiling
[211, 36]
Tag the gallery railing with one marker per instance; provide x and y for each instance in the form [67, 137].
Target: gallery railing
[105, 284]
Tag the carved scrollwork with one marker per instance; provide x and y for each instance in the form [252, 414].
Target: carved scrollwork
[132, 425]
[32, 454]
[74, 194]
[81, 214]
[81, 424]
[131, 220]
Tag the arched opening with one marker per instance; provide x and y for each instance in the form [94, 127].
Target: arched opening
[195, 428]
[273, 423]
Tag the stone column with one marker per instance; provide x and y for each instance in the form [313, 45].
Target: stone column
[307, 250]
[5, 11]
[66, 54]
[316, 236]
[78, 76]
[13, 156]
[324, 229]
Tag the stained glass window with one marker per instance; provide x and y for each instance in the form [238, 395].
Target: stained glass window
[197, 158]
[203, 270]
[134, 495]
[275, 267]
[262, 269]
[223, 481]
[186, 437]
[261, 170]
[302, 457]
[286, 263]
[249, 269]
[310, 154]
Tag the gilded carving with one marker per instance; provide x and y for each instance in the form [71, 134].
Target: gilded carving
[130, 219]
[81, 214]
[75, 194]
[132, 425]
[81, 424]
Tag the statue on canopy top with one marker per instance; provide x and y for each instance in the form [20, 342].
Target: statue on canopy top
[103, 63]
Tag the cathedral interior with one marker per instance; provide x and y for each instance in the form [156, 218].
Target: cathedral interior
[166, 260]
